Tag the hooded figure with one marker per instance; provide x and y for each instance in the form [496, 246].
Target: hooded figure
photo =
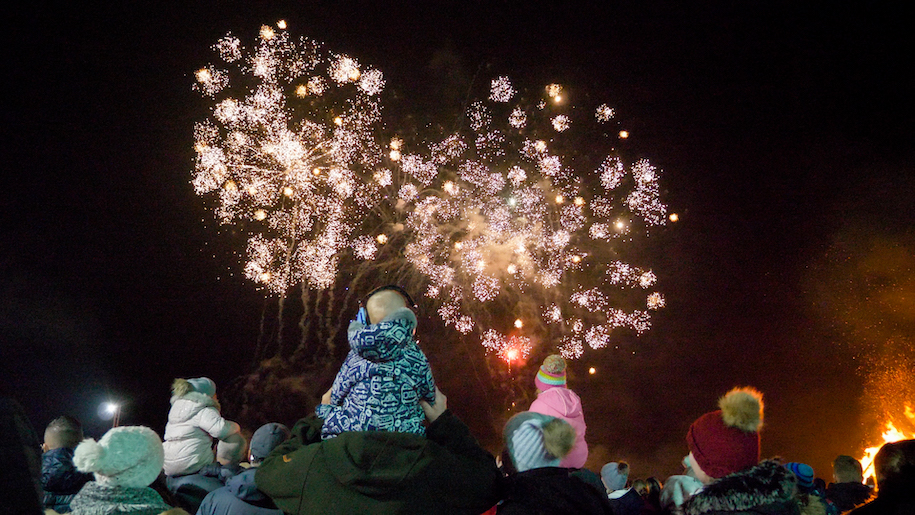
[240, 496]
[125, 461]
[193, 421]
[382, 380]
[556, 400]
[444, 472]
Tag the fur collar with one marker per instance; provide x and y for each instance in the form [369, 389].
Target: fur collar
[757, 489]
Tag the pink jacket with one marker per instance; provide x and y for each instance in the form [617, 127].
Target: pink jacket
[565, 404]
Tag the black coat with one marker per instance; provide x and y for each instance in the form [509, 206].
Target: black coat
[552, 490]
[848, 495]
[60, 479]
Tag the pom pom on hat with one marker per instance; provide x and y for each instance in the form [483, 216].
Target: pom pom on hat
[266, 438]
[128, 456]
[803, 473]
[742, 408]
[726, 441]
[552, 373]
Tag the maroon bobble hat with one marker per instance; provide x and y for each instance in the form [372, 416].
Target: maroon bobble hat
[727, 440]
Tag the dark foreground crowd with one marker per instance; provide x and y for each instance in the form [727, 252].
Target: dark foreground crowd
[385, 441]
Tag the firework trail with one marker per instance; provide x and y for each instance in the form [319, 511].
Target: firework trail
[506, 226]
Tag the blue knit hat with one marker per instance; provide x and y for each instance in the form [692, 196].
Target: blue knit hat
[803, 473]
[613, 478]
[266, 438]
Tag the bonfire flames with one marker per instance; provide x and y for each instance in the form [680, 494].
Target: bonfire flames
[892, 434]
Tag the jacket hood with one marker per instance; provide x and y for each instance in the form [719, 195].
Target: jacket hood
[374, 462]
[385, 340]
[564, 401]
[243, 487]
[184, 407]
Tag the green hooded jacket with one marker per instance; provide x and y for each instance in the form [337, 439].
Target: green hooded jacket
[381, 472]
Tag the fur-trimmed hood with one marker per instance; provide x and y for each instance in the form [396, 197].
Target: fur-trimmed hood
[767, 488]
[184, 407]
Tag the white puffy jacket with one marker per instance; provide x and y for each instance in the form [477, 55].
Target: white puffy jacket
[193, 422]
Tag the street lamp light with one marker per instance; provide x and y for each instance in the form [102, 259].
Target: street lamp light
[114, 410]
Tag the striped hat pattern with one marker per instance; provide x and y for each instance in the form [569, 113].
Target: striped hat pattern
[552, 373]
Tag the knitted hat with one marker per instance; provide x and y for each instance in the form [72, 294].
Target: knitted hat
[232, 449]
[803, 473]
[613, 477]
[266, 438]
[727, 440]
[204, 385]
[552, 373]
[128, 456]
[535, 441]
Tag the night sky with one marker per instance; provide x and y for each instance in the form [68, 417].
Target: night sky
[785, 133]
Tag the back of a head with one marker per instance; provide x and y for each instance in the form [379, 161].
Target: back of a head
[127, 456]
[894, 464]
[534, 440]
[383, 303]
[847, 469]
[63, 432]
[265, 439]
[615, 475]
[640, 486]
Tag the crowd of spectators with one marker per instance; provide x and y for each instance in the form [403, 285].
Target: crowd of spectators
[385, 441]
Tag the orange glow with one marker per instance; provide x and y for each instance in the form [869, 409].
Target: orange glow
[674, 217]
[624, 134]
[592, 371]
[892, 434]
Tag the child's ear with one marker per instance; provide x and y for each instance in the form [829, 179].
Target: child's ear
[45, 447]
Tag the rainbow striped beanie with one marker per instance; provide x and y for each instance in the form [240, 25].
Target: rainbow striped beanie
[552, 373]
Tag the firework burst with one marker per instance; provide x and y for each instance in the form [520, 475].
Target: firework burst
[505, 220]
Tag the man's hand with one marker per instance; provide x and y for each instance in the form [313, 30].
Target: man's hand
[441, 404]
[325, 399]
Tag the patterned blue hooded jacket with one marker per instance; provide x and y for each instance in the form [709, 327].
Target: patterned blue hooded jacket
[382, 380]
